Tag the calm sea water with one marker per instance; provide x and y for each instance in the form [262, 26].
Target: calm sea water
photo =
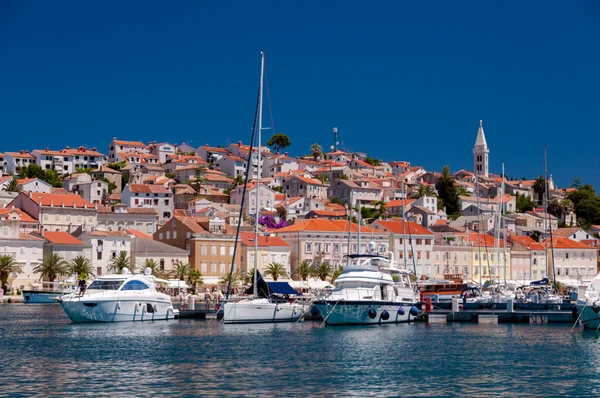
[41, 352]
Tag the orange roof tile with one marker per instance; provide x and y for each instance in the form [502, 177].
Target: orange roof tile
[398, 227]
[129, 143]
[398, 202]
[148, 188]
[57, 200]
[485, 240]
[24, 216]
[320, 225]
[61, 238]
[566, 243]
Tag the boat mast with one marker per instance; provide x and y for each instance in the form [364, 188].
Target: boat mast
[404, 225]
[358, 218]
[258, 169]
[478, 229]
[547, 221]
[503, 219]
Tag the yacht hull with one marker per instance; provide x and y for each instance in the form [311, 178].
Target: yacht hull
[262, 311]
[90, 309]
[364, 313]
[39, 297]
[588, 318]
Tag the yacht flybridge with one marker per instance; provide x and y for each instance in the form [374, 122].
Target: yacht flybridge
[371, 290]
[118, 298]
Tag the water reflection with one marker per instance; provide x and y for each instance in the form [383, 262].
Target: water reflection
[43, 352]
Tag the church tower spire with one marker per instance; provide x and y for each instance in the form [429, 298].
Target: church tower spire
[481, 153]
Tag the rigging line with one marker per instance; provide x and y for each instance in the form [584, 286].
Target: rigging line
[269, 100]
[240, 217]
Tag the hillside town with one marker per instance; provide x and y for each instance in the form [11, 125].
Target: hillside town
[170, 206]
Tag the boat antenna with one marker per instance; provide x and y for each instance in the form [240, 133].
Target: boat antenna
[241, 215]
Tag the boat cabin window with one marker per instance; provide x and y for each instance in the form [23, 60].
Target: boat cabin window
[135, 285]
[105, 285]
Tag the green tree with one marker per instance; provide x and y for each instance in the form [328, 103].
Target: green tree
[373, 213]
[195, 279]
[278, 189]
[316, 151]
[281, 212]
[576, 183]
[583, 192]
[153, 265]
[52, 266]
[304, 269]
[13, 186]
[462, 191]
[237, 181]
[117, 165]
[372, 162]
[539, 187]
[342, 176]
[81, 266]
[8, 265]
[121, 261]
[335, 200]
[424, 190]
[182, 269]
[234, 277]
[275, 270]
[447, 191]
[338, 271]
[588, 211]
[523, 203]
[324, 178]
[31, 171]
[322, 271]
[279, 141]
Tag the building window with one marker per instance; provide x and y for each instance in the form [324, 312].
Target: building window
[168, 234]
[327, 248]
[203, 267]
[188, 235]
[222, 250]
[222, 266]
[336, 248]
[213, 250]
[174, 234]
[213, 268]
[354, 248]
[231, 250]
[160, 235]
[308, 247]
[427, 255]
[204, 250]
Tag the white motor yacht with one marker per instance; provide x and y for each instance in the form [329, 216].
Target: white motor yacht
[372, 291]
[119, 298]
[588, 306]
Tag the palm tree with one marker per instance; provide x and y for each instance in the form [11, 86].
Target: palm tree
[153, 265]
[81, 266]
[120, 262]
[182, 269]
[316, 150]
[275, 270]
[249, 277]
[52, 266]
[424, 190]
[322, 271]
[13, 186]
[234, 277]
[338, 271]
[304, 270]
[8, 265]
[324, 178]
[237, 181]
[462, 191]
[194, 278]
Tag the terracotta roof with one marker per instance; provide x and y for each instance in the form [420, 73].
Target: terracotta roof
[148, 188]
[24, 236]
[192, 224]
[566, 243]
[398, 227]
[565, 232]
[526, 241]
[248, 239]
[213, 149]
[57, 200]
[106, 169]
[485, 240]
[329, 213]
[311, 181]
[398, 202]
[320, 225]
[129, 143]
[20, 155]
[61, 238]
[138, 234]
[24, 216]
[216, 178]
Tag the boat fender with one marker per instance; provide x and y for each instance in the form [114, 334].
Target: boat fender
[314, 311]
[596, 307]
[372, 313]
[155, 308]
[462, 307]
[414, 311]
[401, 311]
[385, 315]
[118, 305]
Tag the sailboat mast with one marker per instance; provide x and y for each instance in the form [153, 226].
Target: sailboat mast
[358, 218]
[503, 219]
[258, 168]
[478, 229]
[404, 225]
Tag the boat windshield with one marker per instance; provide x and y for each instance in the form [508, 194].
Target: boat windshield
[105, 285]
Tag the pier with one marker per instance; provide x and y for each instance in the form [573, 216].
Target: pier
[499, 316]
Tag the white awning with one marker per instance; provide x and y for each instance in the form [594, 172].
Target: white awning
[177, 284]
[310, 284]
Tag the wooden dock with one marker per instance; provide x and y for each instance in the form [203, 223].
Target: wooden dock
[500, 316]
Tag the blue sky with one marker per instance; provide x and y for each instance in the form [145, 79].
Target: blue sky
[401, 80]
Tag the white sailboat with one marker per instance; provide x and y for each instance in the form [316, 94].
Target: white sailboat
[274, 301]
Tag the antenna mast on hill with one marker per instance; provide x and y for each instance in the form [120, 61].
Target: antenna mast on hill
[334, 147]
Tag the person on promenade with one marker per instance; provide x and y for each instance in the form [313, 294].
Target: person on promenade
[207, 298]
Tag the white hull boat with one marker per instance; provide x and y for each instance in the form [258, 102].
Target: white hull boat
[41, 297]
[119, 298]
[367, 294]
[262, 310]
